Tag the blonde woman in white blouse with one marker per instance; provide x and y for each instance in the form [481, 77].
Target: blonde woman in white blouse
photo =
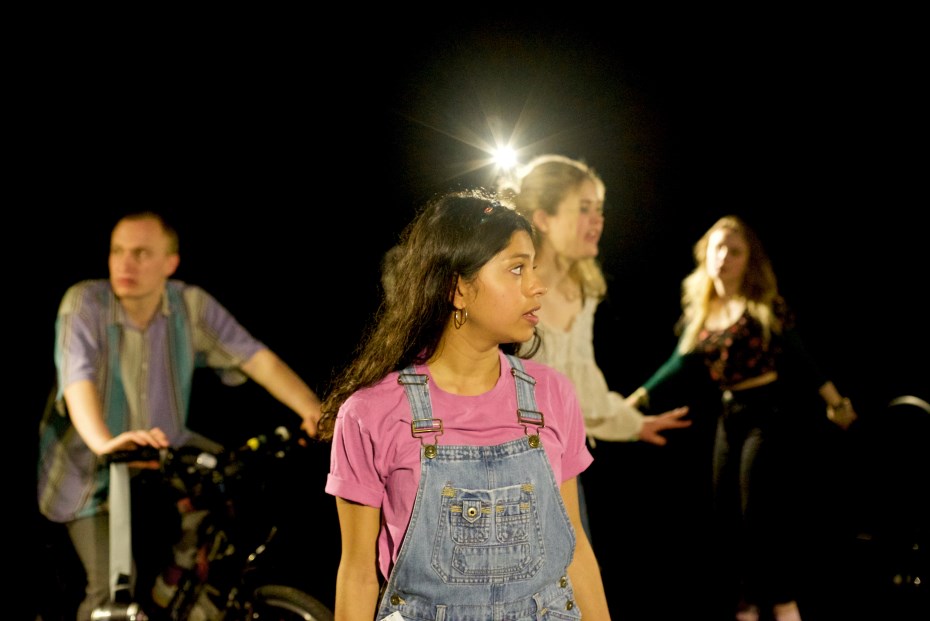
[564, 199]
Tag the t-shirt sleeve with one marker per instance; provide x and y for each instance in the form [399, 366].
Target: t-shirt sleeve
[221, 341]
[77, 340]
[353, 474]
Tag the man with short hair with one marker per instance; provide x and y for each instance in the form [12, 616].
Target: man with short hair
[125, 354]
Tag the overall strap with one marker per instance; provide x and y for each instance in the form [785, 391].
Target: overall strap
[415, 385]
[527, 414]
[417, 390]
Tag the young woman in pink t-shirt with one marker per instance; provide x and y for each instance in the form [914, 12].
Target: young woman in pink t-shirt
[454, 461]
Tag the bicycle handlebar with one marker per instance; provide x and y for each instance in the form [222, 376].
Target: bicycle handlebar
[142, 453]
[274, 444]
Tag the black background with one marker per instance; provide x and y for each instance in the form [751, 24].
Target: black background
[289, 153]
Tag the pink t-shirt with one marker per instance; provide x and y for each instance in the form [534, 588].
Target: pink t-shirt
[375, 460]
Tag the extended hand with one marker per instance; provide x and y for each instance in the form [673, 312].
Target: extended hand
[653, 426]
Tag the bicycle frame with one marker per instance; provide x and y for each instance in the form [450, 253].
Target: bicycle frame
[232, 590]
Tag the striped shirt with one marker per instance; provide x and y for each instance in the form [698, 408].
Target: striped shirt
[144, 378]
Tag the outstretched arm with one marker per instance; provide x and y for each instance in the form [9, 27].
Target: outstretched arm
[673, 367]
[270, 372]
[626, 423]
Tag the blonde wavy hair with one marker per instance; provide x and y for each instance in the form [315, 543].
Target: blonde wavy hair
[543, 183]
[759, 287]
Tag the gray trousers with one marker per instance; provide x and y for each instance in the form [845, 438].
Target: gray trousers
[91, 539]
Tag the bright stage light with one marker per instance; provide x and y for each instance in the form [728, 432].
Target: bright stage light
[505, 158]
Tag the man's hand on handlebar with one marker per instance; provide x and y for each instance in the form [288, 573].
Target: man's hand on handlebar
[132, 440]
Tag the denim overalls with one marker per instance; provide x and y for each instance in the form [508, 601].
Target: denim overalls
[489, 538]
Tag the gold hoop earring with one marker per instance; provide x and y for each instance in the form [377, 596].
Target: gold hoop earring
[459, 317]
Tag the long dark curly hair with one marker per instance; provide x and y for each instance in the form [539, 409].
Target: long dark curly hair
[451, 237]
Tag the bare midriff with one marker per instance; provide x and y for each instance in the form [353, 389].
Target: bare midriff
[755, 382]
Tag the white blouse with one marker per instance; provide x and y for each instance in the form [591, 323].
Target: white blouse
[606, 414]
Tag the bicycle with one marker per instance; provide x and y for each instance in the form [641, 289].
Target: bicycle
[227, 585]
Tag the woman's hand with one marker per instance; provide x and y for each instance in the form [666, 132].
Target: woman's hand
[842, 413]
[653, 426]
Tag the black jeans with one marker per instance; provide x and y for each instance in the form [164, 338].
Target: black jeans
[753, 496]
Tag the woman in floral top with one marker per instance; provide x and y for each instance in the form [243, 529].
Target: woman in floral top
[735, 324]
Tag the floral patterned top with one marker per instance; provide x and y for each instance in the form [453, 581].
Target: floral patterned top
[737, 353]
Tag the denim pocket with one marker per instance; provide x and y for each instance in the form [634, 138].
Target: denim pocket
[488, 536]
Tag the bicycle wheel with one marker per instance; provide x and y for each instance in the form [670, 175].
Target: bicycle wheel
[274, 602]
